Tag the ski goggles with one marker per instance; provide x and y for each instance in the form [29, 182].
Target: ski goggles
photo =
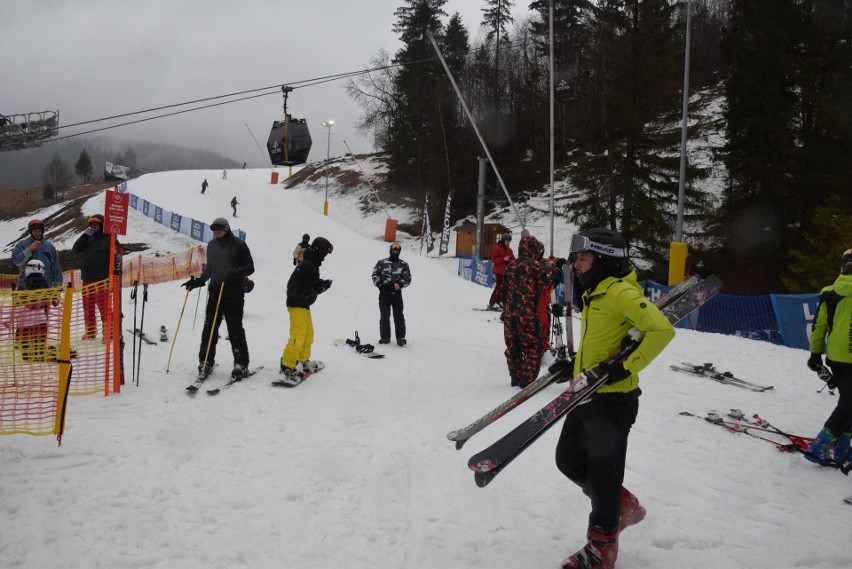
[583, 243]
[393, 248]
[37, 226]
[218, 227]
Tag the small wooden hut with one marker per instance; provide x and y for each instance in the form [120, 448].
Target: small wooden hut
[466, 238]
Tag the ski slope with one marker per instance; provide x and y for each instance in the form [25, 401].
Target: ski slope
[353, 469]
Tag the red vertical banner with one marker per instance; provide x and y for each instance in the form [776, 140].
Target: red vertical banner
[115, 223]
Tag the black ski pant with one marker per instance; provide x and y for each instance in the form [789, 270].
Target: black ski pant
[840, 420]
[391, 301]
[592, 451]
[231, 307]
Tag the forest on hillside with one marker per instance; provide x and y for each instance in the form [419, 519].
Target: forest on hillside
[783, 69]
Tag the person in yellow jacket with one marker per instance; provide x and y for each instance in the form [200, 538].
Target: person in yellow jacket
[592, 447]
[832, 332]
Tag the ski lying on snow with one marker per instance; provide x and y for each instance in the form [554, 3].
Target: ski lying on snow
[709, 371]
[848, 499]
[234, 380]
[755, 427]
[140, 334]
[488, 463]
[460, 436]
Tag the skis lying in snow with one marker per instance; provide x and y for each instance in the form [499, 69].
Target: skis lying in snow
[460, 436]
[848, 499]
[140, 334]
[756, 427]
[707, 370]
[234, 380]
[488, 463]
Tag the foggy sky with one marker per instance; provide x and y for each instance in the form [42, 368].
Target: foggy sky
[92, 59]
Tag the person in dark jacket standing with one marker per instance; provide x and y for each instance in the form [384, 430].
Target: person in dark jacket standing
[303, 288]
[234, 204]
[300, 249]
[229, 261]
[832, 332]
[390, 276]
[94, 245]
[525, 278]
[204, 186]
[36, 247]
[500, 257]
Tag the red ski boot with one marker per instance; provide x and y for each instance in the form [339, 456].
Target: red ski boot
[631, 511]
[600, 551]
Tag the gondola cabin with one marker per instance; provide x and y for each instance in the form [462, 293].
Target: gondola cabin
[289, 142]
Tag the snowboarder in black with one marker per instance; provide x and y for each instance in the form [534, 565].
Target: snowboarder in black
[229, 261]
[234, 204]
[390, 276]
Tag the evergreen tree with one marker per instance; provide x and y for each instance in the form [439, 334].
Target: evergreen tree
[56, 178]
[83, 167]
[631, 79]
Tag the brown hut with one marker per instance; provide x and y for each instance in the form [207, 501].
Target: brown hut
[466, 238]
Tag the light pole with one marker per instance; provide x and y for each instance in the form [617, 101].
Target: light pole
[329, 124]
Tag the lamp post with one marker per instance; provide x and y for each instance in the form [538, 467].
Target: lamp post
[329, 124]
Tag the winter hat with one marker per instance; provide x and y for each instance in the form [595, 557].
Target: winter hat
[322, 246]
[220, 224]
[506, 237]
[34, 267]
[306, 239]
[97, 218]
[395, 249]
[35, 224]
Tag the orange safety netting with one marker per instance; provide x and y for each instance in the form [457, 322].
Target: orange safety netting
[48, 335]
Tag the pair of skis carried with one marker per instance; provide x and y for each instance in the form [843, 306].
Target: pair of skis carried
[682, 300]
[710, 372]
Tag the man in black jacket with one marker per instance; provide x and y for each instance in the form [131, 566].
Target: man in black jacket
[93, 244]
[228, 262]
[303, 288]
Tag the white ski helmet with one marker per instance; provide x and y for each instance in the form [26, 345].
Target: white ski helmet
[34, 267]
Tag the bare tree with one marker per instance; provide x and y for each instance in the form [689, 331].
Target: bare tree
[57, 178]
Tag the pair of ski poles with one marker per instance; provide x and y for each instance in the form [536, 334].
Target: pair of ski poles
[180, 319]
[137, 332]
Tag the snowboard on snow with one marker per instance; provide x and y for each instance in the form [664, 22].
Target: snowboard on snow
[305, 375]
[365, 350]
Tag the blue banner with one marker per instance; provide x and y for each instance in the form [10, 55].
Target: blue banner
[197, 231]
[795, 314]
[175, 224]
[158, 214]
[146, 205]
[134, 201]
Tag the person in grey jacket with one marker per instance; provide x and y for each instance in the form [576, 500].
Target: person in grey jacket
[36, 247]
[229, 261]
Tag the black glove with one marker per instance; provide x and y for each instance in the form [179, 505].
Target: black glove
[193, 283]
[615, 371]
[388, 287]
[248, 286]
[815, 362]
[560, 262]
[556, 310]
[566, 365]
[325, 285]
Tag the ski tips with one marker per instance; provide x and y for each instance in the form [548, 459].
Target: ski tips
[460, 444]
[484, 478]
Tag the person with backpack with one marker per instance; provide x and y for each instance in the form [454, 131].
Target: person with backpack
[36, 247]
[300, 249]
[831, 334]
[390, 276]
[592, 448]
[501, 256]
[229, 262]
[303, 288]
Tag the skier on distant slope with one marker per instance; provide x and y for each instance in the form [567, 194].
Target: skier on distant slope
[592, 447]
[303, 288]
[832, 330]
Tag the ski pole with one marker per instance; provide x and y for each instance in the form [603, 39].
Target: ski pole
[133, 297]
[141, 330]
[177, 329]
[197, 299]
[213, 323]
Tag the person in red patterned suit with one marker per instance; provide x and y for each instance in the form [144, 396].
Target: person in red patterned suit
[523, 282]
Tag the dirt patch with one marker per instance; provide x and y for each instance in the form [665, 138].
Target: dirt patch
[17, 203]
